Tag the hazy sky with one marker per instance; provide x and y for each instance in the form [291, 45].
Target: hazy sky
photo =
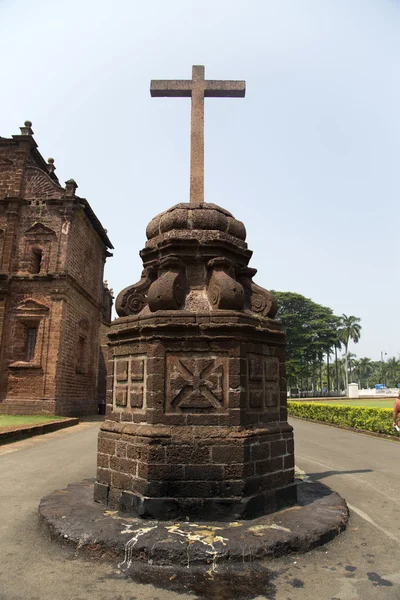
[309, 160]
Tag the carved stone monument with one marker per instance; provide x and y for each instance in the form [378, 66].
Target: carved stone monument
[196, 443]
[196, 420]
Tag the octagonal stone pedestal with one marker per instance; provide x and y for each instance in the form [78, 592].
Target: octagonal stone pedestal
[198, 421]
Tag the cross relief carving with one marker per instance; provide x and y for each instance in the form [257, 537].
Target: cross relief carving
[196, 383]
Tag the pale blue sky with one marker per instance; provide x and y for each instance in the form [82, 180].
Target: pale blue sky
[308, 160]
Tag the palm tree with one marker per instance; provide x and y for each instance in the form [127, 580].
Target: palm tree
[352, 363]
[331, 340]
[365, 370]
[338, 346]
[328, 383]
[349, 329]
[341, 373]
[356, 372]
[392, 371]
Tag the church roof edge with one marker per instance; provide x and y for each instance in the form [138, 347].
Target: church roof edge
[96, 223]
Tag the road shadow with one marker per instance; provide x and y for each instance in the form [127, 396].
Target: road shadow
[324, 474]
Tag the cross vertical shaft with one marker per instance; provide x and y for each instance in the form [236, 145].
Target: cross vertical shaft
[197, 88]
[197, 137]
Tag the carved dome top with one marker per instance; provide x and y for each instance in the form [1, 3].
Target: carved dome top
[202, 216]
[195, 261]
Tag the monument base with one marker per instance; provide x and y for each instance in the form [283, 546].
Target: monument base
[205, 473]
[221, 509]
[196, 419]
[73, 517]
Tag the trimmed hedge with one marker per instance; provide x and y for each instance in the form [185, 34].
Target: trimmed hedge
[379, 420]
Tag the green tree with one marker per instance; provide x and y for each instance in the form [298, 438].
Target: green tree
[349, 329]
[377, 374]
[310, 332]
[392, 367]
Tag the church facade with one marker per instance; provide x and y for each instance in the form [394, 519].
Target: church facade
[54, 306]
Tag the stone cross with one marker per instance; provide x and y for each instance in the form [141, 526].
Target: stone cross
[197, 88]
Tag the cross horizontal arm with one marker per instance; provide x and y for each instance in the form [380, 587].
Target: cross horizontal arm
[224, 89]
[170, 87]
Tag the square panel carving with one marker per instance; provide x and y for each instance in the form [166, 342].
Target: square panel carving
[197, 382]
[121, 370]
[121, 396]
[262, 383]
[129, 383]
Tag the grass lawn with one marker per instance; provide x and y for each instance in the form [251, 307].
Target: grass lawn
[368, 403]
[20, 420]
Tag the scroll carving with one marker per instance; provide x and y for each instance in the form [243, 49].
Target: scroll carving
[224, 292]
[168, 292]
[259, 300]
[133, 298]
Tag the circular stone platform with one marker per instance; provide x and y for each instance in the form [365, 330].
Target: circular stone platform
[73, 517]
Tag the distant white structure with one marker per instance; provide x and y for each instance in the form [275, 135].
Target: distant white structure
[381, 393]
[353, 390]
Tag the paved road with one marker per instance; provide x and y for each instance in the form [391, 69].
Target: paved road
[363, 563]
